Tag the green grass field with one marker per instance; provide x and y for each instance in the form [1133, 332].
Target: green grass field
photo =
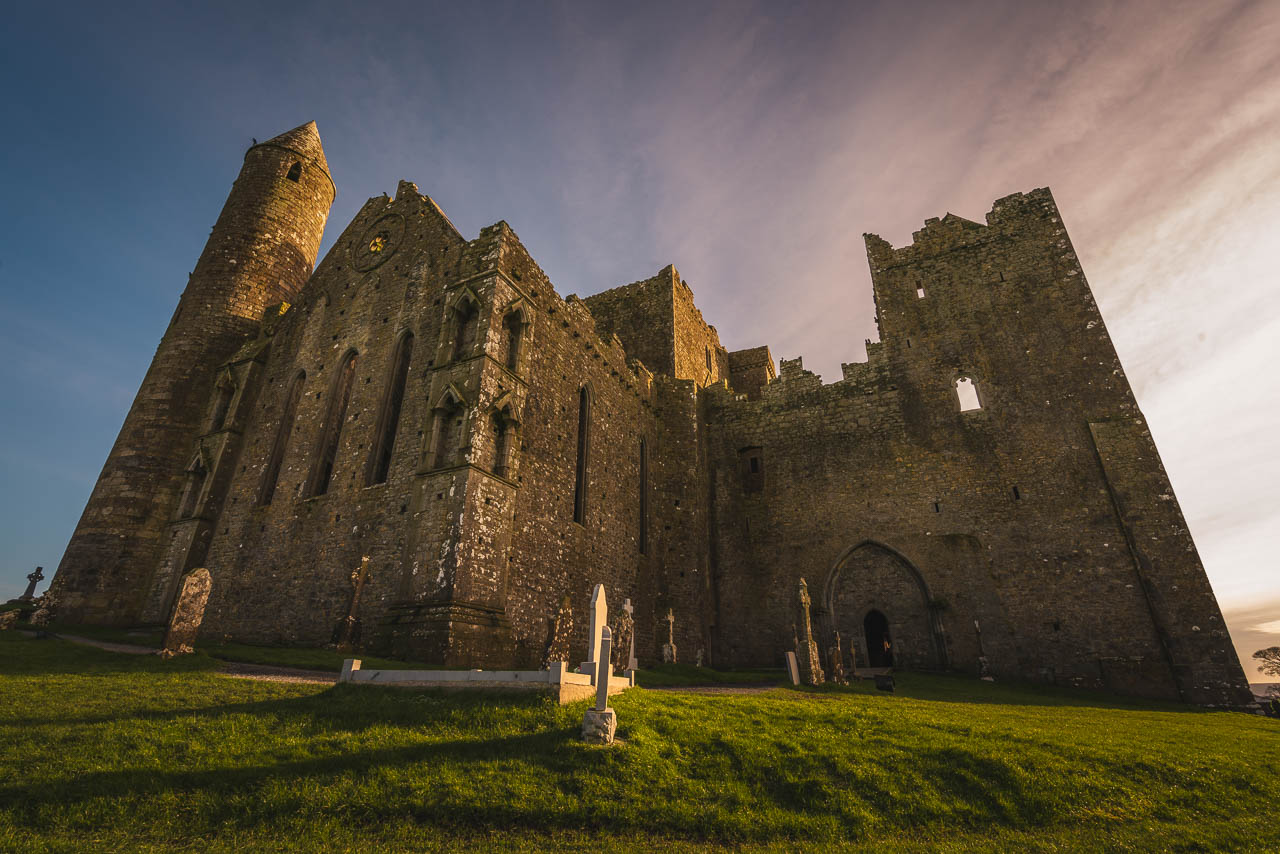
[109, 752]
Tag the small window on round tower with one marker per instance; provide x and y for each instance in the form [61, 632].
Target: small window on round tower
[295, 172]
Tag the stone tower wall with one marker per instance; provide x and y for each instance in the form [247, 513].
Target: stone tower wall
[260, 252]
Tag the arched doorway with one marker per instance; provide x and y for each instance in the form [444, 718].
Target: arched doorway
[873, 590]
[875, 628]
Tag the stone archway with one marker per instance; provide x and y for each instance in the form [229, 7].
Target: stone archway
[870, 583]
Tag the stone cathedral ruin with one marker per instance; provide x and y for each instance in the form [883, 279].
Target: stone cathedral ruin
[421, 449]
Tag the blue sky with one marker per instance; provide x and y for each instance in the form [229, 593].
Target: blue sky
[750, 144]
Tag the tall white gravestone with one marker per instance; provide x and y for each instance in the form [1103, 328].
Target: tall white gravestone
[599, 616]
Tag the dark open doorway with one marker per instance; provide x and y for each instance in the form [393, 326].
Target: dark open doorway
[879, 646]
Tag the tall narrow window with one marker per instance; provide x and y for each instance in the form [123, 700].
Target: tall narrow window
[513, 330]
[221, 405]
[331, 432]
[389, 413]
[196, 474]
[584, 450]
[967, 392]
[295, 172]
[284, 429]
[709, 368]
[465, 317]
[501, 429]
[446, 432]
[643, 539]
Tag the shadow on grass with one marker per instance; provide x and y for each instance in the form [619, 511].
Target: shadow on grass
[955, 688]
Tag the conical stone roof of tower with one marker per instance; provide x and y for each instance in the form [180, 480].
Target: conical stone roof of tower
[304, 139]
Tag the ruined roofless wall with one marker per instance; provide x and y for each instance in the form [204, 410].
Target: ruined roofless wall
[887, 497]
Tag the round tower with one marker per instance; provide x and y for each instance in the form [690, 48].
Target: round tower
[260, 253]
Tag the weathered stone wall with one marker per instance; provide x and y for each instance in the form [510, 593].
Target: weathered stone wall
[1038, 531]
[1004, 511]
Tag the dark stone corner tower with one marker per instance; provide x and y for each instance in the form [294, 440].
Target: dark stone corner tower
[260, 253]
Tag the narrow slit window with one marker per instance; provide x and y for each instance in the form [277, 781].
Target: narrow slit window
[446, 433]
[643, 538]
[389, 412]
[501, 427]
[1017, 496]
[466, 318]
[710, 369]
[295, 172]
[271, 474]
[967, 392]
[584, 450]
[919, 292]
[331, 432]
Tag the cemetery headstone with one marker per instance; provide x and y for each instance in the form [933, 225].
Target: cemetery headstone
[632, 663]
[558, 640]
[33, 579]
[188, 612]
[793, 669]
[600, 723]
[599, 617]
[669, 648]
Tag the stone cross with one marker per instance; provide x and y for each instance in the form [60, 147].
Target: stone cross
[632, 664]
[602, 670]
[347, 633]
[599, 617]
[34, 578]
[807, 651]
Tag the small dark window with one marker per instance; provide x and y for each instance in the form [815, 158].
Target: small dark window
[501, 427]
[295, 172]
[446, 433]
[710, 369]
[1017, 496]
[751, 464]
[937, 507]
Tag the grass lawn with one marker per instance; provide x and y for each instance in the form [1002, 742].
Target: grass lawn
[664, 675]
[109, 752]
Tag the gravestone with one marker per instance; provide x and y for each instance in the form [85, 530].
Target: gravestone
[807, 652]
[630, 610]
[669, 648]
[835, 662]
[623, 634]
[188, 612]
[599, 616]
[600, 724]
[560, 634]
[793, 669]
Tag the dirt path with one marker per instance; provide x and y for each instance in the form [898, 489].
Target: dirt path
[263, 672]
